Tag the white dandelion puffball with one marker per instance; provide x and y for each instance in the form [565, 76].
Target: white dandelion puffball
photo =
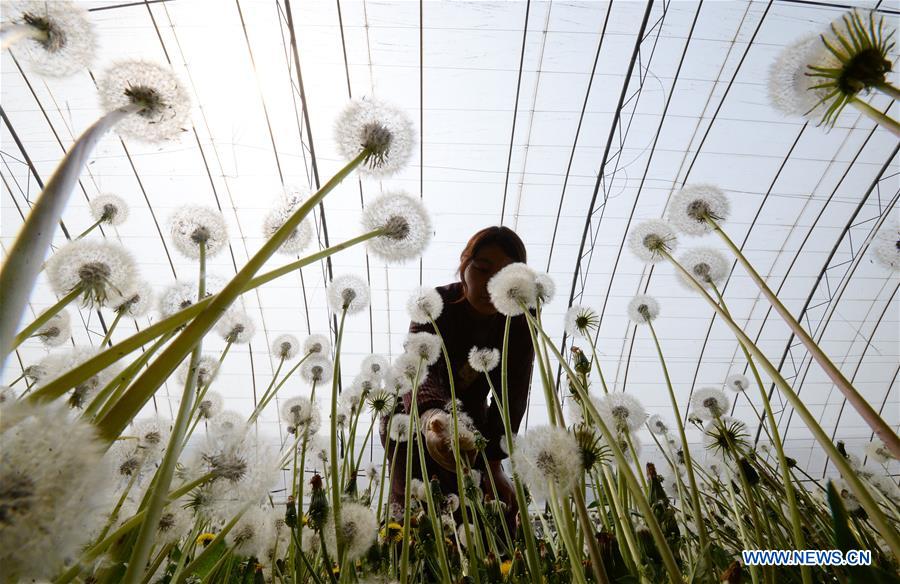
[707, 265]
[426, 346]
[286, 347]
[400, 427]
[97, 268]
[286, 205]
[642, 309]
[134, 302]
[545, 287]
[317, 368]
[317, 343]
[886, 247]
[192, 226]
[657, 425]
[68, 44]
[877, 451]
[737, 382]
[650, 238]
[110, 209]
[300, 415]
[57, 330]
[236, 326]
[177, 297]
[581, 321]
[382, 128]
[406, 223]
[424, 305]
[708, 403]
[483, 360]
[248, 536]
[165, 106]
[60, 362]
[375, 366]
[397, 381]
[513, 289]
[54, 489]
[357, 530]
[690, 208]
[348, 292]
[547, 458]
[790, 86]
[227, 427]
[211, 405]
[622, 411]
[207, 370]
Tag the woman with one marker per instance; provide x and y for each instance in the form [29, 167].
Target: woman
[470, 320]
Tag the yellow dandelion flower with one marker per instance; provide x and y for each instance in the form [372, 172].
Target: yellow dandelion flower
[392, 532]
[205, 539]
[505, 567]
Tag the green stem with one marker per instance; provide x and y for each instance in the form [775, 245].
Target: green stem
[45, 316]
[796, 527]
[112, 327]
[141, 551]
[335, 478]
[200, 559]
[883, 120]
[72, 378]
[862, 493]
[91, 228]
[889, 90]
[147, 384]
[688, 459]
[264, 400]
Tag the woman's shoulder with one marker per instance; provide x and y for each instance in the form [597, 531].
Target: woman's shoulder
[450, 292]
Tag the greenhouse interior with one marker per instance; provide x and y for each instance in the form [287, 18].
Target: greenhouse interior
[459, 291]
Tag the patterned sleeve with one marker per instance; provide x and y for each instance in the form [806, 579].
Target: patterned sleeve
[521, 362]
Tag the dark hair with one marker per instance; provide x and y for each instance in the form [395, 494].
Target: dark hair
[503, 237]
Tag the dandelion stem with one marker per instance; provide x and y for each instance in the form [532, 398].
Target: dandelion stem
[70, 379]
[883, 120]
[865, 410]
[688, 461]
[112, 327]
[25, 259]
[862, 493]
[335, 477]
[141, 551]
[45, 316]
[889, 89]
[93, 226]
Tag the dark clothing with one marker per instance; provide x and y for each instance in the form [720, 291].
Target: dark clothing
[461, 330]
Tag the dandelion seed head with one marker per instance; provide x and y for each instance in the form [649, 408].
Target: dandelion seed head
[424, 305]
[192, 226]
[177, 297]
[690, 208]
[707, 265]
[622, 411]
[649, 239]
[737, 382]
[790, 87]
[316, 343]
[211, 405]
[407, 225]
[382, 128]
[110, 209]
[513, 289]
[206, 371]
[375, 366]
[400, 427]
[165, 106]
[60, 362]
[643, 309]
[300, 415]
[348, 292]
[317, 368]
[545, 287]
[398, 382]
[483, 360]
[581, 321]
[877, 451]
[134, 302]
[657, 425]
[708, 403]
[357, 530]
[97, 268]
[53, 488]
[236, 326]
[57, 330]
[286, 347]
[886, 247]
[286, 205]
[424, 345]
[411, 367]
[70, 43]
[546, 459]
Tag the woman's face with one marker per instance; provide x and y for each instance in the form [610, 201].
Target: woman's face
[488, 261]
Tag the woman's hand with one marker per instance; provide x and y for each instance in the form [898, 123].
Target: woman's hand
[438, 432]
[506, 492]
